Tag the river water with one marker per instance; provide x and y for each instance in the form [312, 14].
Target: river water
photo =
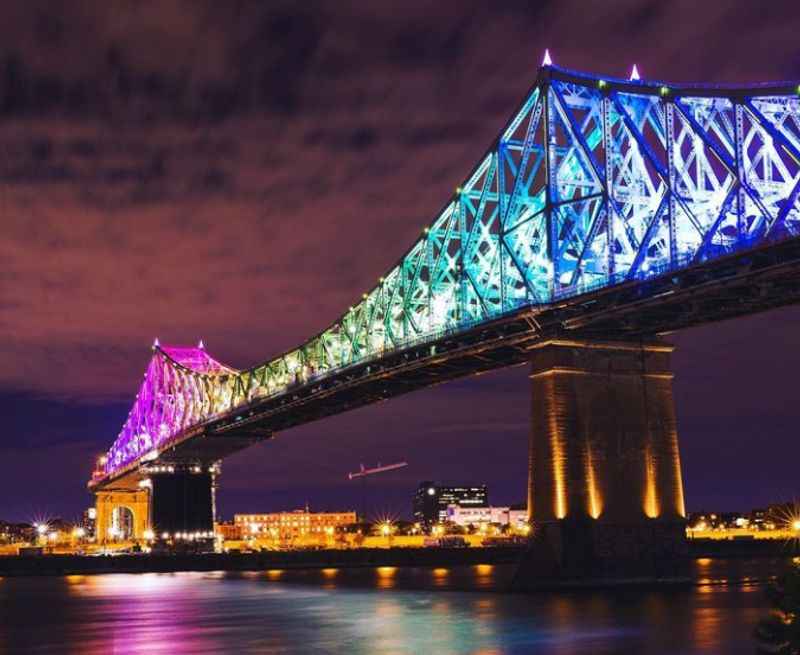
[377, 612]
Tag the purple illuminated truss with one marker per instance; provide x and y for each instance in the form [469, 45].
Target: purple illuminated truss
[181, 388]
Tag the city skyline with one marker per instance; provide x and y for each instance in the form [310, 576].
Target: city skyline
[740, 394]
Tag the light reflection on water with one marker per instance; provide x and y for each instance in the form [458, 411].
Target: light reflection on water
[374, 611]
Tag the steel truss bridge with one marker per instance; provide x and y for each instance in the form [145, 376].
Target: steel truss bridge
[605, 207]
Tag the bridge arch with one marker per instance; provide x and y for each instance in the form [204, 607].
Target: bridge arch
[122, 515]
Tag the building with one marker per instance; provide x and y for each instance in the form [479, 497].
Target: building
[288, 525]
[479, 516]
[432, 500]
[778, 516]
[16, 532]
[229, 531]
[89, 522]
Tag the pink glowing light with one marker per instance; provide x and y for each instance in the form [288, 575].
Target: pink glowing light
[182, 387]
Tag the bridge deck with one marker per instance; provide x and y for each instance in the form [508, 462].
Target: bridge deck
[760, 280]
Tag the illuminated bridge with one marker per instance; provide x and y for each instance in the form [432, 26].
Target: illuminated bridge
[606, 213]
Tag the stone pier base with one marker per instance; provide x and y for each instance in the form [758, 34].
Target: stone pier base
[605, 493]
[112, 506]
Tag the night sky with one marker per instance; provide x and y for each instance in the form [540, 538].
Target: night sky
[242, 171]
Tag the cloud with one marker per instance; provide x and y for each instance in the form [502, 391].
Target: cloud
[241, 172]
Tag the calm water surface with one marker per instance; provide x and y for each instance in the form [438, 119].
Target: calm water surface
[376, 611]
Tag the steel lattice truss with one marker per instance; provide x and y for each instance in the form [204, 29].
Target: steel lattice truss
[592, 183]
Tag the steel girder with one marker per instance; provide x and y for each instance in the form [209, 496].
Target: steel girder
[593, 183]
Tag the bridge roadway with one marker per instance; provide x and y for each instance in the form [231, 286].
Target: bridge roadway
[763, 279]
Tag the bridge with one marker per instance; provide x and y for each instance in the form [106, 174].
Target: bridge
[606, 213]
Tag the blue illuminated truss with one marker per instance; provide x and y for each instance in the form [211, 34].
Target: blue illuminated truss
[594, 182]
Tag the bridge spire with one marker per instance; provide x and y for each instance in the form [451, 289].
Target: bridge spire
[634, 74]
[156, 344]
[547, 61]
[201, 345]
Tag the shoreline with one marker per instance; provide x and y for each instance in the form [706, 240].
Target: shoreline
[19, 565]
[58, 565]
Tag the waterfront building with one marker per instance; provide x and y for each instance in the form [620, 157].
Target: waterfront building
[16, 532]
[288, 525]
[480, 516]
[229, 530]
[89, 522]
[431, 500]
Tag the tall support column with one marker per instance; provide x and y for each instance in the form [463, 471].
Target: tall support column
[183, 500]
[605, 494]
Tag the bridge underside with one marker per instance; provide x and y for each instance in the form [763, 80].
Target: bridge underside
[605, 492]
[753, 282]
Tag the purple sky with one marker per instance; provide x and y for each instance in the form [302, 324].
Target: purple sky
[242, 171]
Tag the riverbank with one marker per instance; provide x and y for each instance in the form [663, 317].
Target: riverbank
[339, 559]
[285, 560]
[747, 548]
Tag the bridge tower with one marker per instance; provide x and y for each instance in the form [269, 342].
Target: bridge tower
[605, 493]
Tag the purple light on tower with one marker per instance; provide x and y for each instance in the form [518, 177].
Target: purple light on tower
[182, 386]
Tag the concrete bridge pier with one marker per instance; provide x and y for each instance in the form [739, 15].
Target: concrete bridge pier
[167, 501]
[182, 501]
[605, 490]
